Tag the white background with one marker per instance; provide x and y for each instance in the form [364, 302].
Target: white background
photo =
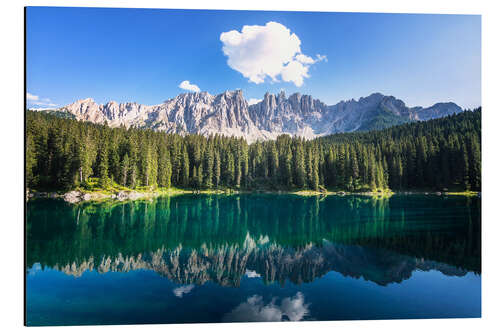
[11, 162]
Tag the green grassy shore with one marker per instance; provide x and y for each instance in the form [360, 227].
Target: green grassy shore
[93, 190]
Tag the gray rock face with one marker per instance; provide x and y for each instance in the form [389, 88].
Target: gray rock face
[229, 114]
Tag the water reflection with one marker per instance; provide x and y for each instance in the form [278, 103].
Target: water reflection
[180, 291]
[254, 309]
[195, 239]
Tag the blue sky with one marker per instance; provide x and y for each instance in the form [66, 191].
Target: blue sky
[143, 55]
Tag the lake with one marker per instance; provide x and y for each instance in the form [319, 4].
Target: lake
[252, 257]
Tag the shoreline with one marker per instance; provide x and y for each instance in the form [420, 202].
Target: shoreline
[79, 196]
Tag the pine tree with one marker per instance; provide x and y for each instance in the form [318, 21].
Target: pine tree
[31, 160]
[217, 170]
[124, 169]
[475, 163]
[330, 170]
[208, 166]
[465, 168]
[286, 168]
[354, 167]
[199, 177]
[299, 165]
[104, 180]
[273, 161]
[229, 169]
[237, 169]
[244, 164]
[184, 176]
[315, 171]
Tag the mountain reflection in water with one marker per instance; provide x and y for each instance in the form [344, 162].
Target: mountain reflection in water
[192, 240]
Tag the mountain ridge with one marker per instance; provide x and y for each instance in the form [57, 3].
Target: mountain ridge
[230, 114]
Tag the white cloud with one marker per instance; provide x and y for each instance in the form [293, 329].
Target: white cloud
[294, 308]
[253, 101]
[180, 291]
[264, 51]
[188, 86]
[254, 309]
[43, 104]
[41, 109]
[31, 97]
[36, 100]
[320, 57]
[304, 59]
[295, 72]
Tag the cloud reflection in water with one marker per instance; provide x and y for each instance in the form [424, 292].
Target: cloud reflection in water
[180, 291]
[254, 309]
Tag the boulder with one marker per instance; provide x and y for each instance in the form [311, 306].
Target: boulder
[122, 195]
[72, 197]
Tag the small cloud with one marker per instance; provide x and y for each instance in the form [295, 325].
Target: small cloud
[188, 86]
[302, 58]
[43, 104]
[306, 60]
[320, 57]
[180, 291]
[270, 50]
[254, 309]
[41, 109]
[31, 97]
[252, 274]
[36, 100]
[253, 101]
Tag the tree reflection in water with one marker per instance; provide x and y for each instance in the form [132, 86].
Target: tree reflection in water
[194, 239]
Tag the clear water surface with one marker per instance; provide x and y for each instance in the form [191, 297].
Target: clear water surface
[252, 257]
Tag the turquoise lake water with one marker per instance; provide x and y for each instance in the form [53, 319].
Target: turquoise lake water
[213, 258]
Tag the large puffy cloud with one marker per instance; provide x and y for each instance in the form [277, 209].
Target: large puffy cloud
[271, 50]
[186, 85]
[254, 309]
[295, 72]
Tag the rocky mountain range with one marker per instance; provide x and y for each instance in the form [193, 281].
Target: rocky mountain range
[230, 114]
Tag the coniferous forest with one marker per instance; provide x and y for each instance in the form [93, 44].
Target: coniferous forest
[63, 154]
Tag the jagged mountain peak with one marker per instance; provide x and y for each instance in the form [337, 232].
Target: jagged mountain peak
[229, 114]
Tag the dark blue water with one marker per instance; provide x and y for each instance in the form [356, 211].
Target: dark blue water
[253, 258]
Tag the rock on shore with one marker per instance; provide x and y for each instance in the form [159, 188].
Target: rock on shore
[72, 196]
[77, 196]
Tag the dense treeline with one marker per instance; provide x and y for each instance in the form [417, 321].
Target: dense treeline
[65, 153]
